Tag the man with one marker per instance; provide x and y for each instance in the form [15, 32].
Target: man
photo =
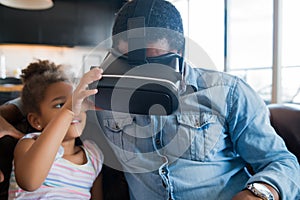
[201, 150]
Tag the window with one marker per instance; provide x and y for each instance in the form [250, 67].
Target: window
[249, 43]
[238, 35]
[204, 29]
[290, 51]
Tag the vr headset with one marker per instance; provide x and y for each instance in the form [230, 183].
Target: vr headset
[148, 89]
[136, 84]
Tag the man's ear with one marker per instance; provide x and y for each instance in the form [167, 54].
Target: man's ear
[34, 121]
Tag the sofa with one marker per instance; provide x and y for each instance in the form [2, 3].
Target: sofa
[285, 118]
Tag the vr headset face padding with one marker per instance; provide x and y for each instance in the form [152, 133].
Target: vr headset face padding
[148, 89]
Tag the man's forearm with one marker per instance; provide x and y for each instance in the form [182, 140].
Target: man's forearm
[11, 113]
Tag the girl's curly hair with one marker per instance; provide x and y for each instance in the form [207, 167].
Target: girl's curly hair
[36, 78]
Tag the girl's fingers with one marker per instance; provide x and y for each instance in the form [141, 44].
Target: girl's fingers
[78, 101]
[81, 92]
[88, 105]
[86, 93]
[89, 77]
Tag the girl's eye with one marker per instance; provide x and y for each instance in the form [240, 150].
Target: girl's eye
[59, 105]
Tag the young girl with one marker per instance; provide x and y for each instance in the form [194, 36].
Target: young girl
[49, 164]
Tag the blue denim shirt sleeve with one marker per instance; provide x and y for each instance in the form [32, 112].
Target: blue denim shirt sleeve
[257, 143]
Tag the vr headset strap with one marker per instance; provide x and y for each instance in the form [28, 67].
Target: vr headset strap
[137, 33]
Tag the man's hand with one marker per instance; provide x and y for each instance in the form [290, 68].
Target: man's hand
[247, 195]
[1, 177]
[7, 129]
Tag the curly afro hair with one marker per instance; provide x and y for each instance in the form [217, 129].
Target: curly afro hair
[163, 15]
[36, 78]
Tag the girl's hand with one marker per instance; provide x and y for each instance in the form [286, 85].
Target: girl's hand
[82, 92]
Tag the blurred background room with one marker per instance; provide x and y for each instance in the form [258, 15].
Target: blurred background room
[254, 39]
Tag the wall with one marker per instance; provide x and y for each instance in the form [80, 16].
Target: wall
[77, 59]
[67, 23]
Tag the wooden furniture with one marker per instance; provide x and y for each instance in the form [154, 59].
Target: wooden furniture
[10, 88]
[285, 118]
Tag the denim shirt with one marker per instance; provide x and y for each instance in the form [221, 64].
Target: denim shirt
[201, 151]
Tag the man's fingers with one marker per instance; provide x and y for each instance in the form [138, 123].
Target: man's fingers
[16, 134]
[11, 132]
[1, 177]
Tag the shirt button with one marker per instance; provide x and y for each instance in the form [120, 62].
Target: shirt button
[163, 159]
[157, 141]
[197, 123]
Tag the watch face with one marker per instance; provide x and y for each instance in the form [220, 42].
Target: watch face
[261, 191]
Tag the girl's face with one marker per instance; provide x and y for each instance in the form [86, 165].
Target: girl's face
[55, 96]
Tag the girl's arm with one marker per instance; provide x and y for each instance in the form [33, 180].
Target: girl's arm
[97, 189]
[34, 158]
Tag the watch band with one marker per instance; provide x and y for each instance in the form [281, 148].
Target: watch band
[260, 191]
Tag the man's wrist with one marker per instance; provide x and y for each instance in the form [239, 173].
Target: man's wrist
[273, 190]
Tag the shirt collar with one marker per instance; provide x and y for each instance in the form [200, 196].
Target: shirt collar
[190, 77]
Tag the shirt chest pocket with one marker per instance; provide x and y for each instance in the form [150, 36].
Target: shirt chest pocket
[121, 133]
[203, 131]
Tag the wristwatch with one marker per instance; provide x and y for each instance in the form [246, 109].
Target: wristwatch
[260, 191]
